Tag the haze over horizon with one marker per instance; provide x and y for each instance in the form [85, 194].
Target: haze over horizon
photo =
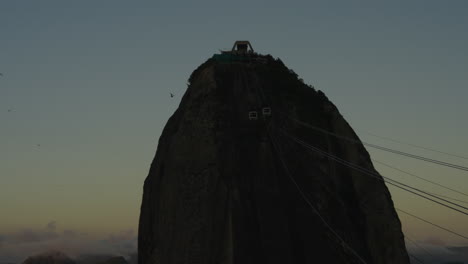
[85, 93]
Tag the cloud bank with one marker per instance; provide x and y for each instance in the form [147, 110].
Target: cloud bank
[434, 251]
[17, 246]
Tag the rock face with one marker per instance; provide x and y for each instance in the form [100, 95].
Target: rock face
[226, 189]
[51, 257]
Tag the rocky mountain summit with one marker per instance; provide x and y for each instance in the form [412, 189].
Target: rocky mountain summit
[231, 183]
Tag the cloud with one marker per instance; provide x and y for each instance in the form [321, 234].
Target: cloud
[461, 250]
[436, 241]
[52, 225]
[29, 236]
[17, 246]
[433, 250]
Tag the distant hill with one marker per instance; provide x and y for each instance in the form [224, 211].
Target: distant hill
[92, 258]
[100, 259]
[133, 258]
[115, 260]
[461, 250]
[50, 257]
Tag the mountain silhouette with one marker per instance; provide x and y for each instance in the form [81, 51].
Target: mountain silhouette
[49, 257]
[231, 183]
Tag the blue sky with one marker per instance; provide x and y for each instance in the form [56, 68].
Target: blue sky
[89, 82]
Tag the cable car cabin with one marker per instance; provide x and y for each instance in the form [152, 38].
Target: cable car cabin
[266, 111]
[253, 115]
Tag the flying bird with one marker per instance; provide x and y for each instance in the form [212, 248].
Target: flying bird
[172, 95]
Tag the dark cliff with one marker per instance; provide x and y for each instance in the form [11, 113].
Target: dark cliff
[226, 189]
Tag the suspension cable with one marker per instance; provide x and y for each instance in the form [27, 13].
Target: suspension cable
[436, 225]
[421, 178]
[379, 177]
[443, 228]
[303, 195]
[413, 145]
[434, 161]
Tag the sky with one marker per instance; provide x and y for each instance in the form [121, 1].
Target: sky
[84, 96]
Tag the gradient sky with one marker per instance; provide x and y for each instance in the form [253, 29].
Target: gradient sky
[89, 81]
